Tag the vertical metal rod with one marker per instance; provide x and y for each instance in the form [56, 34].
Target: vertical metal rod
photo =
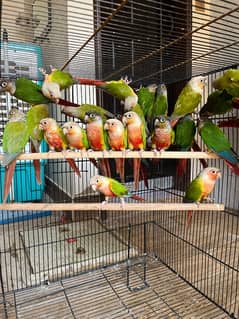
[128, 256]
[2, 288]
[145, 253]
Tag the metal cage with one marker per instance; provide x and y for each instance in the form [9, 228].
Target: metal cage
[63, 254]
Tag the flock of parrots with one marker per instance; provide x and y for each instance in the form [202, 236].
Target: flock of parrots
[145, 125]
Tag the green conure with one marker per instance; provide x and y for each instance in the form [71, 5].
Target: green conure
[218, 102]
[201, 187]
[15, 138]
[146, 97]
[33, 118]
[190, 97]
[160, 105]
[55, 82]
[216, 141]
[63, 79]
[229, 81]
[185, 131]
[119, 89]
[25, 90]
[80, 111]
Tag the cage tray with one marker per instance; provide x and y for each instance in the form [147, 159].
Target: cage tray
[73, 247]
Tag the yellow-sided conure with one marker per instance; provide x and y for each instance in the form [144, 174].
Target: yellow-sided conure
[190, 97]
[15, 138]
[201, 187]
[117, 139]
[136, 139]
[97, 138]
[56, 140]
[111, 188]
[77, 138]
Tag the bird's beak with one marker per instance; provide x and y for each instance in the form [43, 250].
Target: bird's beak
[65, 131]
[124, 120]
[106, 126]
[40, 126]
[219, 174]
[93, 187]
[86, 118]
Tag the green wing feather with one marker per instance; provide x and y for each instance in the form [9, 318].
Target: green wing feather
[117, 188]
[64, 79]
[218, 102]
[85, 141]
[187, 101]
[15, 137]
[208, 132]
[143, 132]
[145, 99]
[119, 89]
[194, 191]
[29, 92]
[33, 118]
[184, 133]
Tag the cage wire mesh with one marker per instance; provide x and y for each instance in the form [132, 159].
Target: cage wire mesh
[138, 264]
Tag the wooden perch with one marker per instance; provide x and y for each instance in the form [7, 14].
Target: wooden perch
[81, 207]
[115, 154]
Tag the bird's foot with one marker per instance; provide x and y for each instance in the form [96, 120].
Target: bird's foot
[104, 153]
[156, 152]
[198, 204]
[141, 153]
[210, 200]
[122, 203]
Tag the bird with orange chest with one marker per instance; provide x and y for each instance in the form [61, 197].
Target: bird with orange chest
[117, 139]
[201, 187]
[56, 140]
[136, 138]
[111, 188]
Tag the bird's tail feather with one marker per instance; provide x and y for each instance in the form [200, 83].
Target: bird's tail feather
[73, 166]
[9, 172]
[8, 158]
[136, 197]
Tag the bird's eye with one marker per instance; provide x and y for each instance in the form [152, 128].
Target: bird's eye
[97, 181]
[44, 122]
[71, 126]
[129, 115]
[4, 84]
[213, 171]
[161, 119]
[91, 115]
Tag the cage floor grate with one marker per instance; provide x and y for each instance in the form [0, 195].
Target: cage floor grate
[103, 294]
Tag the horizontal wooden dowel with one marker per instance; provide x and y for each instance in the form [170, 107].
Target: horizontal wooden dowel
[114, 154]
[112, 206]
